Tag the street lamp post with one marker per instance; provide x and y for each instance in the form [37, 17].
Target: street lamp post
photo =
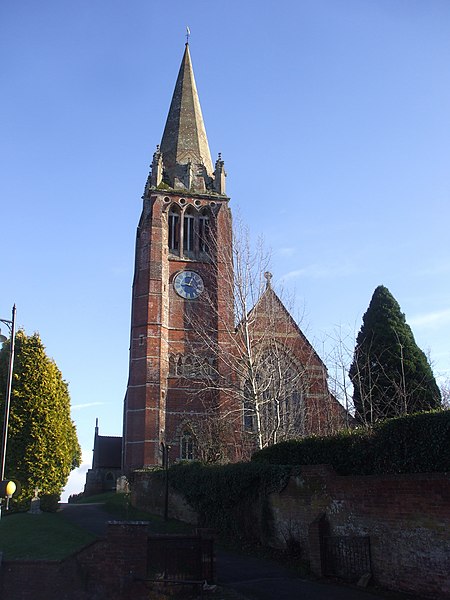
[11, 326]
[165, 454]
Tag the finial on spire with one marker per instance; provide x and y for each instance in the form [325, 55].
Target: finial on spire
[188, 33]
[268, 277]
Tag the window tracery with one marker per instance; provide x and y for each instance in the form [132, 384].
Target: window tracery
[189, 231]
[276, 397]
[191, 366]
[174, 229]
[203, 231]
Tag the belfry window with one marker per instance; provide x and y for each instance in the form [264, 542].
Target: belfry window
[174, 230]
[188, 231]
[203, 231]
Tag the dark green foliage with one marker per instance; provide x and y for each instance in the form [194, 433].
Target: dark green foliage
[42, 441]
[50, 503]
[417, 443]
[227, 497]
[347, 453]
[390, 374]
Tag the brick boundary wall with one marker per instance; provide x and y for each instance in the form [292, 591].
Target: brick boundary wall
[107, 569]
[407, 518]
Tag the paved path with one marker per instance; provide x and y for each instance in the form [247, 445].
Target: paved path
[254, 578]
[89, 516]
[264, 579]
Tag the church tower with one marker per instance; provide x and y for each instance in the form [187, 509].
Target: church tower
[181, 288]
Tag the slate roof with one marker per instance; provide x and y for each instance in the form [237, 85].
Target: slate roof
[108, 452]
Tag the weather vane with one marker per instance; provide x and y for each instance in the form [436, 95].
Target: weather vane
[188, 33]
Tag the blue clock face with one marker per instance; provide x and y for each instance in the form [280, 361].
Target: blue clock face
[188, 284]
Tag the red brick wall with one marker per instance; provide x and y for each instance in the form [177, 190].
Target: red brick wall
[162, 323]
[406, 516]
[110, 568]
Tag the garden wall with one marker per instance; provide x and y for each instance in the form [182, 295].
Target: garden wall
[407, 518]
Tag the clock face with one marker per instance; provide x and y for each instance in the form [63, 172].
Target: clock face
[188, 284]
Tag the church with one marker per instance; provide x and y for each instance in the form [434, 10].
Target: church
[214, 372]
[208, 379]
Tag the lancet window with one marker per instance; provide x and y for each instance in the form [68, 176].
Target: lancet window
[174, 230]
[188, 231]
[192, 367]
[203, 231]
[187, 446]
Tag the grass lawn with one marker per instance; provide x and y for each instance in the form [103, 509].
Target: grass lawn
[47, 536]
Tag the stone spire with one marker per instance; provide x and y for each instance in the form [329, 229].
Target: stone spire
[184, 148]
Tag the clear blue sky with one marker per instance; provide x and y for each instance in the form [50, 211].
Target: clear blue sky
[332, 116]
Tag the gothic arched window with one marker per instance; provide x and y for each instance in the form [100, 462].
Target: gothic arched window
[188, 230]
[172, 365]
[179, 366]
[275, 401]
[203, 231]
[188, 366]
[187, 446]
[174, 230]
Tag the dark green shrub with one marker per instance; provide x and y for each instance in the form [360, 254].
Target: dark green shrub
[417, 443]
[50, 503]
[227, 497]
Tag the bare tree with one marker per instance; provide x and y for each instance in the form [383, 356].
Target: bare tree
[368, 368]
[339, 356]
[445, 394]
[266, 379]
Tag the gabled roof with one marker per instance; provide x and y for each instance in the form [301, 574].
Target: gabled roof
[184, 139]
[268, 299]
[107, 452]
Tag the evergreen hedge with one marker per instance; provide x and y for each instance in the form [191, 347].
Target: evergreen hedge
[418, 443]
[233, 499]
[227, 497]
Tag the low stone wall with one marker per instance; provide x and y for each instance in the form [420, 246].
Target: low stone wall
[407, 518]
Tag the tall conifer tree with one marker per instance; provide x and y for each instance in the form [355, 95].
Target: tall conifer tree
[390, 374]
[42, 441]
